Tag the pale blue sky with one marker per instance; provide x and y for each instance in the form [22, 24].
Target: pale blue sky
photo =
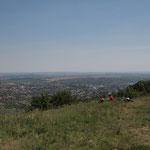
[74, 35]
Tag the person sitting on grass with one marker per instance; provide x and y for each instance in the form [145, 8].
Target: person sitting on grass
[111, 97]
[101, 99]
[128, 100]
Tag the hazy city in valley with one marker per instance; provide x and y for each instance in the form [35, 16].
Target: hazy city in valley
[17, 90]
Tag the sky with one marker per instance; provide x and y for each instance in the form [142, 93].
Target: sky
[74, 35]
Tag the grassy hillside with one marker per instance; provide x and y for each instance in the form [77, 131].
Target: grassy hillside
[83, 126]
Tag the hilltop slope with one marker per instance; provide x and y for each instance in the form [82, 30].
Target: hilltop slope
[83, 126]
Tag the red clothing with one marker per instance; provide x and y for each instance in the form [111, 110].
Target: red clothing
[111, 98]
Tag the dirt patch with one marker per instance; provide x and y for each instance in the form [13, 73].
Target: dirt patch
[68, 78]
[141, 135]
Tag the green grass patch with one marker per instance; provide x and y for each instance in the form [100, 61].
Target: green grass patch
[83, 126]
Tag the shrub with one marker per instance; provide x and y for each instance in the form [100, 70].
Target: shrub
[141, 88]
[62, 98]
[45, 101]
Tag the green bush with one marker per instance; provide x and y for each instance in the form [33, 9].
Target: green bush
[45, 101]
[62, 98]
[130, 92]
[141, 88]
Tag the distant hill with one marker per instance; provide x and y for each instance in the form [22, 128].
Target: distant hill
[141, 88]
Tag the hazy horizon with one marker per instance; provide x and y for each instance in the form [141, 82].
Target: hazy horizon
[75, 72]
[74, 36]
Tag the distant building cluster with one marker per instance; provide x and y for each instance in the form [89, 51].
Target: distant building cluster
[18, 92]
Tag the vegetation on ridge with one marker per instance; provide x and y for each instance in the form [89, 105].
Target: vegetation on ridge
[110, 126]
[141, 88]
[83, 126]
[45, 101]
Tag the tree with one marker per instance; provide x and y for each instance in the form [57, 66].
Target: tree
[62, 98]
[45, 101]
[42, 101]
